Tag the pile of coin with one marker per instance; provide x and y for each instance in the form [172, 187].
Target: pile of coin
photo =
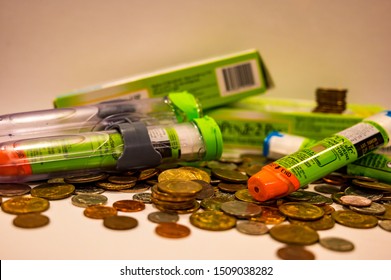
[215, 197]
[330, 100]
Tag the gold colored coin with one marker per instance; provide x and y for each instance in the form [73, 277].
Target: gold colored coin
[230, 175]
[147, 173]
[244, 195]
[183, 173]
[24, 205]
[120, 222]
[31, 220]
[231, 187]
[372, 185]
[214, 203]
[128, 205]
[355, 220]
[301, 210]
[212, 220]
[172, 230]
[53, 191]
[122, 179]
[270, 216]
[326, 222]
[99, 211]
[86, 178]
[114, 186]
[294, 234]
[241, 209]
[179, 187]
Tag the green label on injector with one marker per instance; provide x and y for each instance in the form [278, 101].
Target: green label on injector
[332, 153]
[75, 152]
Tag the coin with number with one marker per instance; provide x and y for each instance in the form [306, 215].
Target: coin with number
[294, 234]
[120, 222]
[172, 230]
[31, 220]
[23, 205]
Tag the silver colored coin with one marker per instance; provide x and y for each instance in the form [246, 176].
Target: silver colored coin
[143, 197]
[88, 189]
[355, 200]
[385, 224]
[85, 200]
[252, 227]
[14, 189]
[373, 195]
[241, 209]
[163, 217]
[336, 244]
[373, 209]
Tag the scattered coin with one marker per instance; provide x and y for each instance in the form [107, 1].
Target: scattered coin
[128, 205]
[301, 211]
[86, 178]
[270, 216]
[120, 222]
[373, 195]
[172, 230]
[114, 186]
[244, 195]
[355, 200]
[214, 203]
[373, 209]
[163, 217]
[241, 209]
[31, 220]
[292, 252]
[53, 191]
[355, 220]
[372, 185]
[212, 220]
[85, 200]
[14, 189]
[336, 244]
[207, 190]
[138, 188]
[88, 189]
[99, 211]
[24, 205]
[294, 234]
[122, 179]
[385, 224]
[327, 188]
[143, 197]
[324, 223]
[229, 175]
[252, 227]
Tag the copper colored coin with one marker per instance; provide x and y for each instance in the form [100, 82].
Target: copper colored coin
[99, 211]
[14, 189]
[291, 252]
[172, 230]
[31, 220]
[120, 222]
[129, 205]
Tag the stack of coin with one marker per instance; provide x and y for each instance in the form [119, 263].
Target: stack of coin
[176, 196]
[330, 100]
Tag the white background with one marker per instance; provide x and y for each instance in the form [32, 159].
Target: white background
[50, 47]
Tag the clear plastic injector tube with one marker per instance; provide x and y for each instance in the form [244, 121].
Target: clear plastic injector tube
[175, 107]
[123, 147]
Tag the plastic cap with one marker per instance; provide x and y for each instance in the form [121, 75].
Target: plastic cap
[266, 185]
[212, 137]
[384, 120]
[186, 106]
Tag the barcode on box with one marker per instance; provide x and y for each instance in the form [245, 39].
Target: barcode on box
[239, 77]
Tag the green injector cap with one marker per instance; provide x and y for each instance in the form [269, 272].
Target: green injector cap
[185, 105]
[212, 137]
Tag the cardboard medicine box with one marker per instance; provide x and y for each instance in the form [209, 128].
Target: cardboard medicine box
[245, 124]
[214, 82]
